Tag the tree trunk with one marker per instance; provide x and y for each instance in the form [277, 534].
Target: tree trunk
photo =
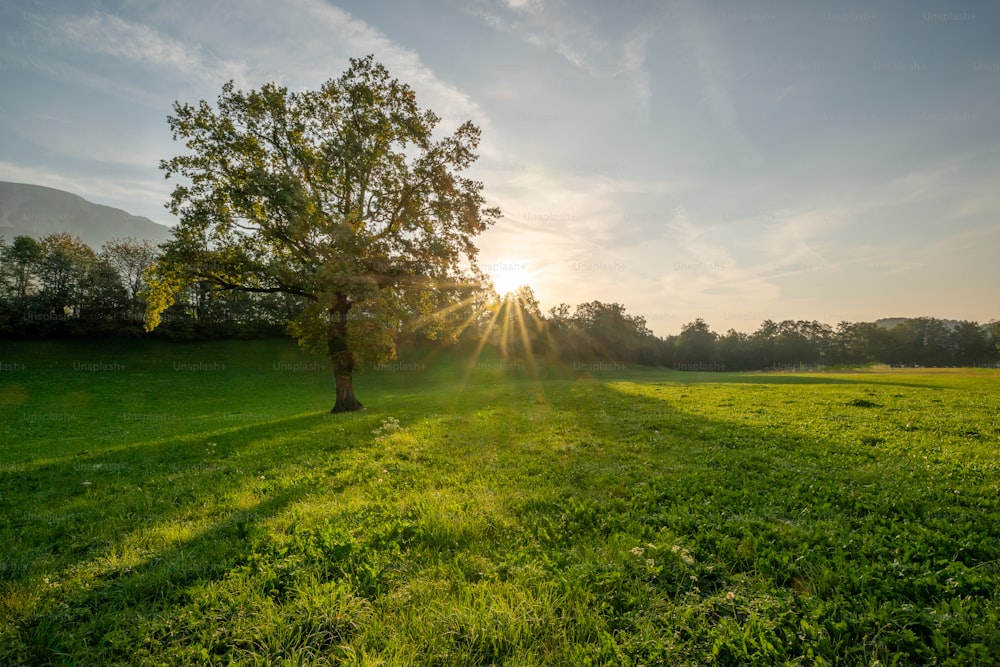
[343, 360]
[346, 401]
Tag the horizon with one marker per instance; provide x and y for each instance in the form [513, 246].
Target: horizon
[685, 161]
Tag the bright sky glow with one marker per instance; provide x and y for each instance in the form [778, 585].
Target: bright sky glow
[508, 275]
[726, 160]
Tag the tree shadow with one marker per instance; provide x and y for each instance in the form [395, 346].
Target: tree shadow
[134, 595]
[68, 503]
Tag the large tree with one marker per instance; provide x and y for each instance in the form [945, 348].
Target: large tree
[339, 196]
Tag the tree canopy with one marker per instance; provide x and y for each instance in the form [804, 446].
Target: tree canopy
[341, 197]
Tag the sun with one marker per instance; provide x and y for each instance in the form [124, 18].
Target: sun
[508, 275]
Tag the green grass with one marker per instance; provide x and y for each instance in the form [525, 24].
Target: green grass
[199, 506]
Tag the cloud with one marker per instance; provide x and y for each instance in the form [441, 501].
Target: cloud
[357, 38]
[310, 42]
[713, 68]
[581, 239]
[564, 227]
[585, 42]
[144, 46]
[634, 67]
[550, 26]
[114, 36]
[523, 5]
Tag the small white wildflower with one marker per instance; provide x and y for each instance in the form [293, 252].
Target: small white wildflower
[637, 551]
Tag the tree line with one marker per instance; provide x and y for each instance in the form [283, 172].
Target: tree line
[791, 344]
[606, 332]
[58, 286]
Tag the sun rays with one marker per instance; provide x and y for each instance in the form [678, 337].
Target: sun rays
[510, 323]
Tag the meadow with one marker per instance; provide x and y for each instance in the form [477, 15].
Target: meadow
[168, 504]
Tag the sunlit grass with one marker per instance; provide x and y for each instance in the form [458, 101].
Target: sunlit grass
[481, 512]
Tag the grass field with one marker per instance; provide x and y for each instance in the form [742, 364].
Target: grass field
[194, 504]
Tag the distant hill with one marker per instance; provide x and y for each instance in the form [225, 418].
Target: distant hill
[37, 211]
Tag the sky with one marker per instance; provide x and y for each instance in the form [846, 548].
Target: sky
[727, 160]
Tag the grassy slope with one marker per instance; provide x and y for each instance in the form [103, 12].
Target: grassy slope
[157, 514]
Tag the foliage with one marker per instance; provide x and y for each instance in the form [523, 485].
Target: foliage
[696, 344]
[598, 330]
[802, 344]
[59, 286]
[341, 197]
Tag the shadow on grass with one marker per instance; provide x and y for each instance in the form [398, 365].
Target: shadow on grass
[128, 598]
[142, 531]
[62, 513]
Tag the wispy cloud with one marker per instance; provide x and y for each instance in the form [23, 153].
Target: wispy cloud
[712, 66]
[141, 45]
[357, 38]
[318, 40]
[634, 67]
[583, 41]
[523, 5]
[116, 37]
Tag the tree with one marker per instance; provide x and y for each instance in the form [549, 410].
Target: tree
[64, 263]
[859, 343]
[696, 345]
[763, 343]
[971, 343]
[340, 196]
[735, 350]
[103, 298]
[598, 330]
[921, 340]
[518, 326]
[131, 258]
[801, 342]
[20, 259]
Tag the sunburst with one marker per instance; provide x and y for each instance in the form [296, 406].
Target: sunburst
[508, 275]
[505, 323]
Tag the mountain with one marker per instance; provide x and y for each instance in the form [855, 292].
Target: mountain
[37, 211]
